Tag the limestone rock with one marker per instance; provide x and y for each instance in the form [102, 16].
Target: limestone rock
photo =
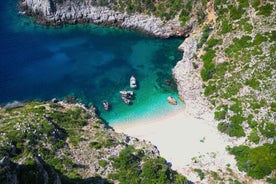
[54, 13]
[189, 82]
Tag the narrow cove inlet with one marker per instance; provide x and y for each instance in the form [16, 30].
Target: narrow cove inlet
[126, 91]
[89, 62]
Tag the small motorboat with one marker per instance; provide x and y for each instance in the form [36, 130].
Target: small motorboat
[106, 106]
[132, 82]
[21, 13]
[171, 100]
[127, 94]
[127, 101]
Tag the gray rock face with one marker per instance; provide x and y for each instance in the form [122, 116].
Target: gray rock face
[5, 161]
[189, 82]
[49, 12]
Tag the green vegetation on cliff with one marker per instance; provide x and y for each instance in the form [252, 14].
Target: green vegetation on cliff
[238, 76]
[256, 162]
[164, 9]
[152, 171]
[239, 68]
[51, 142]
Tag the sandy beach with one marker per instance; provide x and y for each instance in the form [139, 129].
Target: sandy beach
[185, 142]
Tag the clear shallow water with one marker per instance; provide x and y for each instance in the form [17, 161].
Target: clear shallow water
[90, 62]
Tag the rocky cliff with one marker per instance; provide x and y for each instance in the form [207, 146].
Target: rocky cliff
[187, 71]
[50, 12]
[189, 83]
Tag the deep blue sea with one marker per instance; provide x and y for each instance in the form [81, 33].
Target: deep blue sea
[90, 62]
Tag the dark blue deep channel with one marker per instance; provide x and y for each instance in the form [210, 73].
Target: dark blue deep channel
[90, 62]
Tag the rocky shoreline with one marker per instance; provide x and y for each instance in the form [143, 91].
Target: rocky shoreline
[85, 159]
[189, 83]
[48, 12]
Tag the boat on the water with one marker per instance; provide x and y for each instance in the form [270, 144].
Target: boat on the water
[106, 106]
[127, 94]
[127, 101]
[171, 100]
[21, 13]
[132, 82]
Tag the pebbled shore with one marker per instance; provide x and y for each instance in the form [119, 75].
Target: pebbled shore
[48, 12]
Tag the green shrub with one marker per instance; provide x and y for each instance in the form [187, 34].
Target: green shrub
[231, 90]
[209, 90]
[220, 115]
[205, 34]
[200, 173]
[248, 28]
[215, 175]
[243, 42]
[259, 39]
[273, 35]
[184, 16]
[95, 145]
[59, 144]
[221, 68]
[273, 106]
[243, 3]
[236, 12]
[226, 26]
[209, 67]
[233, 130]
[129, 169]
[265, 10]
[244, 25]
[207, 74]
[236, 119]
[268, 129]
[212, 42]
[218, 3]
[255, 4]
[103, 163]
[127, 165]
[256, 162]
[271, 180]
[252, 124]
[236, 107]
[253, 137]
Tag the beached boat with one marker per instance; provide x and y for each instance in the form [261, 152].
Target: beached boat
[132, 82]
[171, 100]
[127, 101]
[106, 106]
[127, 94]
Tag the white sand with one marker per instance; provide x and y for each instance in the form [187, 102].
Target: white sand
[180, 138]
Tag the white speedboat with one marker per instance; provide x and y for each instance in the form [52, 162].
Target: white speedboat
[132, 82]
[127, 93]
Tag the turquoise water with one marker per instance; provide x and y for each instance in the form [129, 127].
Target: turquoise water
[90, 62]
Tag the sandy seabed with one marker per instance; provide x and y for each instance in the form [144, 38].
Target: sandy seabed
[185, 142]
